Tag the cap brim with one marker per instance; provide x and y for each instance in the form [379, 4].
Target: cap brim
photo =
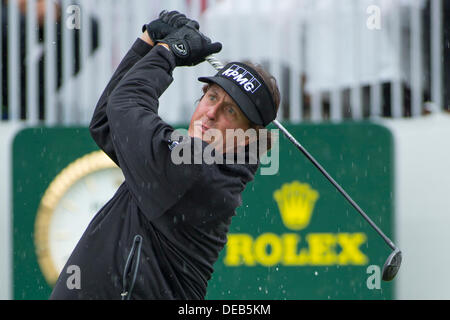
[242, 101]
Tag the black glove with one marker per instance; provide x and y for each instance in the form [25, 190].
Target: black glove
[167, 23]
[190, 46]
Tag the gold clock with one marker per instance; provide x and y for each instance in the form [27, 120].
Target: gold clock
[68, 205]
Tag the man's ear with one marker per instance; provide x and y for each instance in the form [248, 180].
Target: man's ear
[254, 137]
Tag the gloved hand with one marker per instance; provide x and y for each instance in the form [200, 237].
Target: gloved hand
[190, 46]
[167, 23]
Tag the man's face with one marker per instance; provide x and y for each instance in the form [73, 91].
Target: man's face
[218, 111]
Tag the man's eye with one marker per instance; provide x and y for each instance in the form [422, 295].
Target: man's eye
[230, 110]
[212, 97]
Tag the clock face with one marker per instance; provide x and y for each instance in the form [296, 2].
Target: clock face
[76, 209]
[70, 202]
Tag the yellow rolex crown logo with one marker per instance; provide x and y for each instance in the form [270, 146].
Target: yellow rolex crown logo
[296, 203]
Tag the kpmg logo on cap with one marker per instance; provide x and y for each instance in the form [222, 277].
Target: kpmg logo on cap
[243, 78]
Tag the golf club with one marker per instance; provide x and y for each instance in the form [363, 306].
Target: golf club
[392, 264]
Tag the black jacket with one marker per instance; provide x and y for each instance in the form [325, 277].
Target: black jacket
[161, 233]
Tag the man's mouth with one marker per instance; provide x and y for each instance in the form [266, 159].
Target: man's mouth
[204, 128]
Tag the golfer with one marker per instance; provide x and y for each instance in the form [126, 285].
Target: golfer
[160, 234]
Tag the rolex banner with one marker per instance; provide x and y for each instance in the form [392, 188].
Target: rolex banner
[294, 237]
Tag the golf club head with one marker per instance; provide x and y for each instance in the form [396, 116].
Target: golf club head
[392, 265]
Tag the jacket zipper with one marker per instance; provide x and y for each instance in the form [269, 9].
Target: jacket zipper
[134, 252]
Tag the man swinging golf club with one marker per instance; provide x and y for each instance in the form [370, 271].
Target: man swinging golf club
[159, 236]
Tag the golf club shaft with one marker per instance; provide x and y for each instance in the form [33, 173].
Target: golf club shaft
[218, 65]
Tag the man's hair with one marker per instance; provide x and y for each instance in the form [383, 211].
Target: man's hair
[272, 85]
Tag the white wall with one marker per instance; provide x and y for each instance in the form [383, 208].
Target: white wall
[7, 133]
[422, 187]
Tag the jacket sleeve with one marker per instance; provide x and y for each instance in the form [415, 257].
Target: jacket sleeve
[140, 137]
[99, 126]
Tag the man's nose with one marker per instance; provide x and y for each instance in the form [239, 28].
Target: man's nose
[212, 112]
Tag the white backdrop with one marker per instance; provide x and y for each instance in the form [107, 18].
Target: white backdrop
[422, 197]
[7, 134]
